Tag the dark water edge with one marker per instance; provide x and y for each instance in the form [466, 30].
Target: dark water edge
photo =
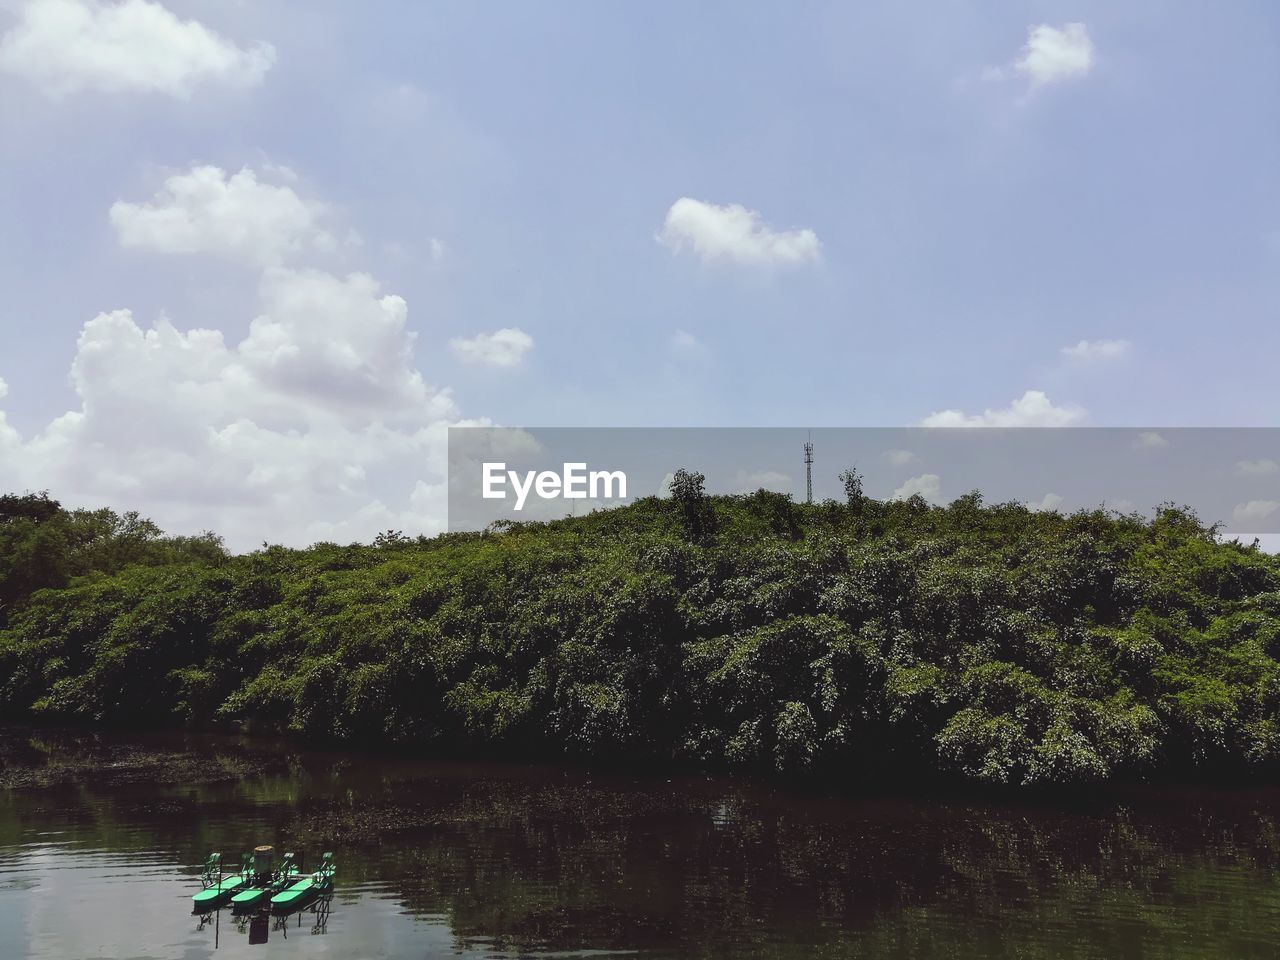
[440, 859]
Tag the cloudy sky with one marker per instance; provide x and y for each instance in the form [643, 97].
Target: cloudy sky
[256, 255]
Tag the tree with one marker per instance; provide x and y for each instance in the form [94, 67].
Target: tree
[36, 507]
[990, 643]
[33, 548]
[43, 545]
[107, 541]
[851, 479]
[697, 515]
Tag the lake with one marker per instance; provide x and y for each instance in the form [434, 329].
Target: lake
[102, 838]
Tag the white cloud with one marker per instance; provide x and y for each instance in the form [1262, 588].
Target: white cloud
[337, 341]
[1032, 409]
[208, 211]
[1267, 542]
[1050, 501]
[1150, 440]
[502, 348]
[1255, 511]
[436, 248]
[927, 485]
[9, 439]
[1246, 468]
[244, 438]
[733, 233]
[315, 423]
[1098, 350]
[66, 46]
[685, 344]
[750, 482]
[1054, 54]
[899, 458]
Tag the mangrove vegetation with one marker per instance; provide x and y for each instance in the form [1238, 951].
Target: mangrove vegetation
[852, 640]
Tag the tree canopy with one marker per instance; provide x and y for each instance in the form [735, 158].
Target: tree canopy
[990, 643]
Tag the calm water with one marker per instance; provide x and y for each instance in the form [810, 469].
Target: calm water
[101, 841]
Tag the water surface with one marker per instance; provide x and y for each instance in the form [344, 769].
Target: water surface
[102, 837]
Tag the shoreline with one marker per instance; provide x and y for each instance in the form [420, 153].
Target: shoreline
[174, 758]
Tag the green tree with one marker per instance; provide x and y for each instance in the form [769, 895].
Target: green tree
[851, 480]
[695, 509]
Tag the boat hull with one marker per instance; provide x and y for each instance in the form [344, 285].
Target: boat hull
[249, 899]
[298, 894]
[254, 897]
[218, 893]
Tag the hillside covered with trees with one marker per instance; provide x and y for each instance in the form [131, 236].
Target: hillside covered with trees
[846, 640]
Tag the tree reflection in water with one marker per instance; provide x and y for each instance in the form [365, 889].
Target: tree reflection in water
[516, 860]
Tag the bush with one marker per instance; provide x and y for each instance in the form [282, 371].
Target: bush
[984, 642]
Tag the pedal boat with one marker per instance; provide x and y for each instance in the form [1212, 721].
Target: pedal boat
[302, 891]
[216, 890]
[253, 897]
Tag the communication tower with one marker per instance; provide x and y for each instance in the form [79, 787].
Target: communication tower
[808, 470]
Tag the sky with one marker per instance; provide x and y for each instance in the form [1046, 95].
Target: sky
[257, 256]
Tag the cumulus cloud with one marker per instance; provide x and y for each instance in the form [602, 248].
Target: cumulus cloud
[1246, 468]
[502, 348]
[1150, 440]
[751, 481]
[927, 485]
[66, 46]
[1255, 511]
[1054, 54]
[257, 439]
[1049, 502]
[1032, 409]
[9, 438]
[899, 458]
[733, 233]
[1097, 350]
[337, 341]
[207, 210]
[315, 424]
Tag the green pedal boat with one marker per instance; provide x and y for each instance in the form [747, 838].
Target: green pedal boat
[255, 896]
[302, 891]
[218, 888]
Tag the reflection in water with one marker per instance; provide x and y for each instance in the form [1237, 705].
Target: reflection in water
[321, 911]
[259, 929]
[511, 861]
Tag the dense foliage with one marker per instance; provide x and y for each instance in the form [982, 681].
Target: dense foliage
[849, 639]
[43, 545]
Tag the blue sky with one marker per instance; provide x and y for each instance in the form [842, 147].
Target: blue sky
[895, 212]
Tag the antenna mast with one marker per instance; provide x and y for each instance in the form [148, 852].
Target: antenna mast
[808, 469]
